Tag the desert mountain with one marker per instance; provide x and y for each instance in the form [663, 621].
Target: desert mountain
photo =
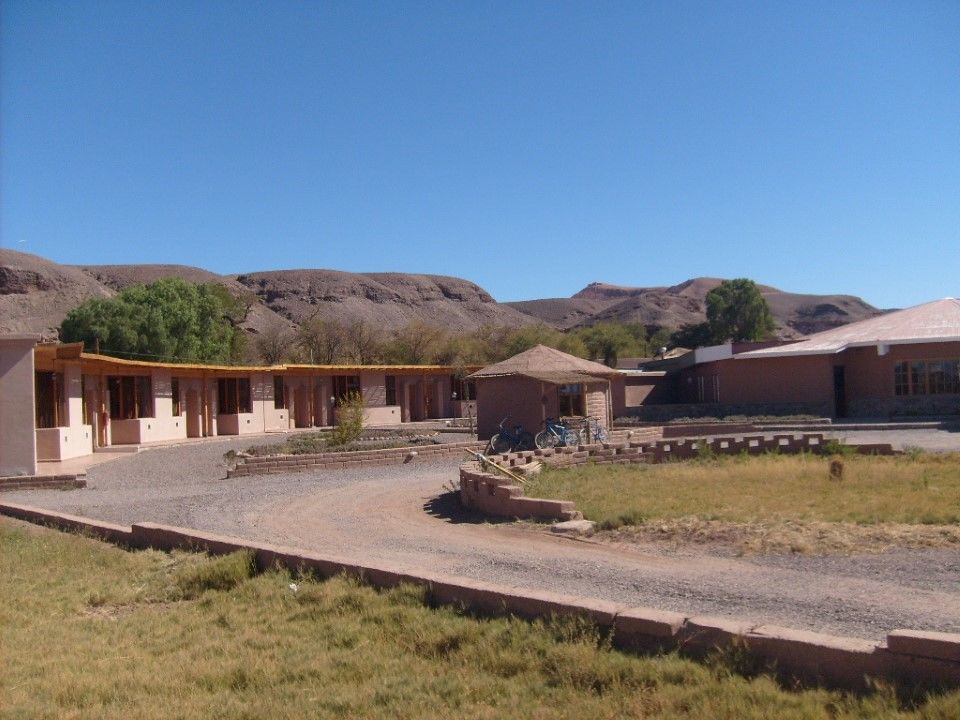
[389, 300]
[36, 294]
[685, 304]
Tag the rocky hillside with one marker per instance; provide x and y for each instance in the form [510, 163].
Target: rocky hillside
[389, 300]
[684, 304]
[36, 294]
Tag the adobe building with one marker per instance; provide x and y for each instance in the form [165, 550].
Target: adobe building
[900, 364]
[539, 383]
[81, 402]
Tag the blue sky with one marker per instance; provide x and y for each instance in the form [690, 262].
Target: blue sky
[529, 147]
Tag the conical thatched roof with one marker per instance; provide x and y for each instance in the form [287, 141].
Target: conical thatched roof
[549, 365]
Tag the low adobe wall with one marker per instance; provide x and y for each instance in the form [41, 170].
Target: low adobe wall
[664, 413]
[914, 659]
[42, 482]
[275, 464]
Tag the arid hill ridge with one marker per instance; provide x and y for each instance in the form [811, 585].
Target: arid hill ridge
[36, 294]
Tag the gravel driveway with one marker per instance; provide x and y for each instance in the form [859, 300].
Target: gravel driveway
[405, 516]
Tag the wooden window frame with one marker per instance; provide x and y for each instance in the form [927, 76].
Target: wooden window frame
[48, 404]
[233, 396]
[131, 397]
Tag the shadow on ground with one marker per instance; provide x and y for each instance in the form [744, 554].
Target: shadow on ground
[447, 506]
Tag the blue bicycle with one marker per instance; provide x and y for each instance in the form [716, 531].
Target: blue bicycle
[511, 440]
[556, 433]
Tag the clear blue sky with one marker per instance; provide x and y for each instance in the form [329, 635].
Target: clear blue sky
[529, 147]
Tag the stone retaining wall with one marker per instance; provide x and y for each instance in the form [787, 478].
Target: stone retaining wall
[42, 482]
[275, 464]
[912, 659]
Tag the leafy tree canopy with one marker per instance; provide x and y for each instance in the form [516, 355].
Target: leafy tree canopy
[170, 320]
[736, 310]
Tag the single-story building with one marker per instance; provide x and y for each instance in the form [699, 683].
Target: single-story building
[80, 402]
[539, 383]
[902, 363]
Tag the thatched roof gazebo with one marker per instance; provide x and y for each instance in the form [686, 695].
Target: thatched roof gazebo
[539, 383]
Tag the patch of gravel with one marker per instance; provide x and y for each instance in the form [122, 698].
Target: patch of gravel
[402, 515]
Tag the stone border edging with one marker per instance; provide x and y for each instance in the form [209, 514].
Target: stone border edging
[909, 657]
[66, 481]
[276, 464]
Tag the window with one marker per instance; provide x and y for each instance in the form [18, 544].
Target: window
[918, 377]
[233, 396]
[943, 377]
[345, 385]
[279, 398]
[175, 395]
[49, 399]
[571, 399]
[464, 389]
[927, 377]
[901, 379]
[391, 390]
[131, 397]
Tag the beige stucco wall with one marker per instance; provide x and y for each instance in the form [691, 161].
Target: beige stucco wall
[63, 443]
[385, 415]
[18, 441]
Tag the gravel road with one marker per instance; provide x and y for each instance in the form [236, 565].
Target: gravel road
[405, 516]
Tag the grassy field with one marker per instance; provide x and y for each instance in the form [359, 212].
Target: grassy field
[773, 502]
[93, 631]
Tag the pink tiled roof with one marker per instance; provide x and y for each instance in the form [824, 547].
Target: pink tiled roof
[937, 321]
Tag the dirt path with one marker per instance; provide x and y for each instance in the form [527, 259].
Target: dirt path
[403, 515]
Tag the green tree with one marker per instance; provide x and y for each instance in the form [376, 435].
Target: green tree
[170, 319]
[608, 341]
[736, 310]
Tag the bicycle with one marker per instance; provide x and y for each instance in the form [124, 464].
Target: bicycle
[556, 433]
[509, 441]
[595, 431]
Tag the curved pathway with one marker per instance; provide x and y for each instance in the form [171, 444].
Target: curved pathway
[406, 516]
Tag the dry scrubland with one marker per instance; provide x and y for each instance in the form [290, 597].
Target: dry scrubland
[772, 503]
[93, 631]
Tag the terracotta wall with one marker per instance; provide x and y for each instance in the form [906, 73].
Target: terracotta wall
[806, 379]
[18, 441]
[518, 397]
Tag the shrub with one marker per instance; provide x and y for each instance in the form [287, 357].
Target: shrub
[349, 418]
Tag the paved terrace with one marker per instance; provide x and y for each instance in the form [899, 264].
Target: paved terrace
[405, 515]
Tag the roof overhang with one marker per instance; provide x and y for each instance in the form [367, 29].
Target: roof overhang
[785, 352]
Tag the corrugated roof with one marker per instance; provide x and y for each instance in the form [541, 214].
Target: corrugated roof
[545, 363]
[937, 321]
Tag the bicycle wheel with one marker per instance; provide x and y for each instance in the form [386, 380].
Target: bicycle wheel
[571, 438]
[500, 444]
[525, 441]
[545, 439]
[599, 433]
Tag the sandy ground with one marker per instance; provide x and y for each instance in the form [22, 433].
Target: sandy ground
[404, 515]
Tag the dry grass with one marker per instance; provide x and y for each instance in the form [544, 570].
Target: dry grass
[774, 502]
[93, 631]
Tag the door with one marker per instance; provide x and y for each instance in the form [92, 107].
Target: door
[194, 413]
[839, 392]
